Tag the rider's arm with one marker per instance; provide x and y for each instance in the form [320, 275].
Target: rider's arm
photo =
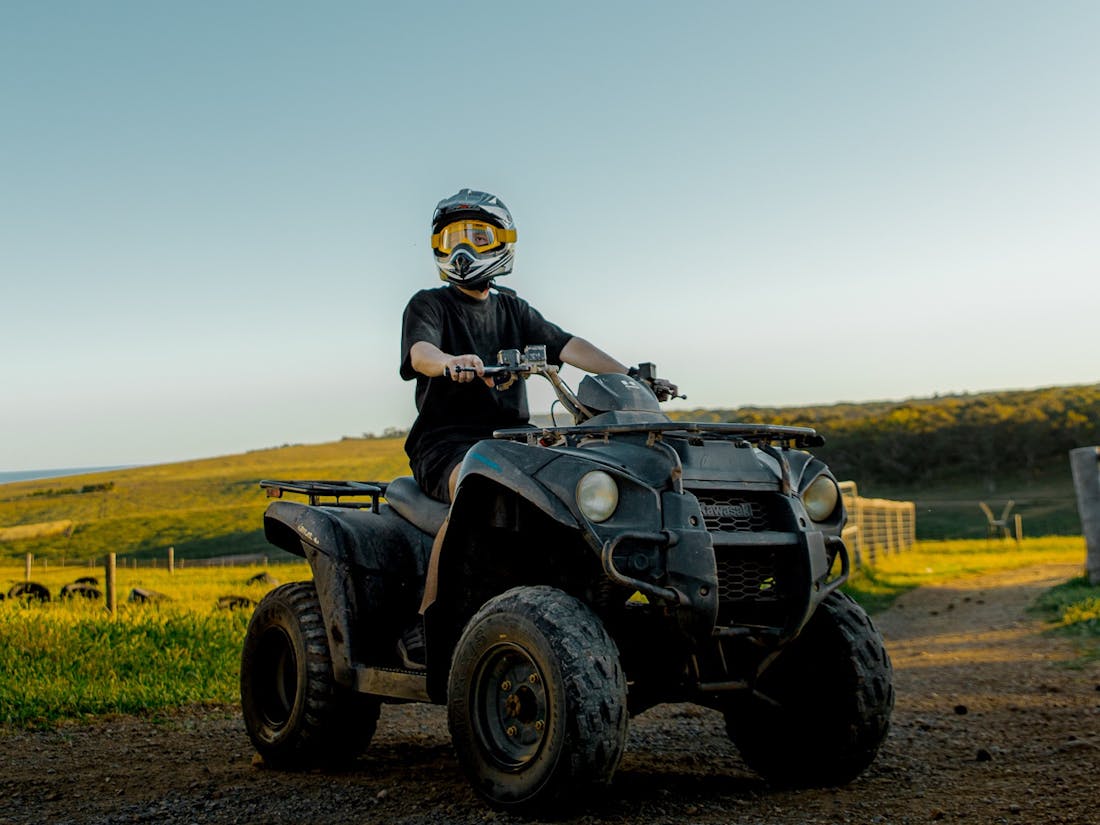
[428, 359]
[588, 357]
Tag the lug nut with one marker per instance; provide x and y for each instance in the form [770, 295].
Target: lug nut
[505, 685]
[533, 678]
[539, 725]
[512, 730]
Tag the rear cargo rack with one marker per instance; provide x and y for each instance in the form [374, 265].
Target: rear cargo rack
[753, 433]
[316, 490]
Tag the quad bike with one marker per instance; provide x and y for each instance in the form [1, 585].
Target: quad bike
[582, 574]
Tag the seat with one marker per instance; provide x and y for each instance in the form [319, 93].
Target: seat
[413, 504]
[997, 526]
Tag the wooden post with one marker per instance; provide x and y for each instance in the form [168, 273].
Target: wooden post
[112, 590]
[1019, 529]
[1085, 464]
[27, 567]
[171, 559]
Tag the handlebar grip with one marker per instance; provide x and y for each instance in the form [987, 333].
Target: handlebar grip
[459, 370]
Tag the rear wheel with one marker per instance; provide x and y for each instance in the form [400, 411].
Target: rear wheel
[822, 709]
[537, 698]
[296, 715]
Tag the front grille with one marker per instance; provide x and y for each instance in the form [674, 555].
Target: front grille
[732, 512]
[747, 577]
[754, 578]
[755, 586]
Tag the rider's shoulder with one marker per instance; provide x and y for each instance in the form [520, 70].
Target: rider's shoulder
[508, 298]
[431, 295]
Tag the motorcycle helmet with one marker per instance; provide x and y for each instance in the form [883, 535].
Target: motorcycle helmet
[472, 238]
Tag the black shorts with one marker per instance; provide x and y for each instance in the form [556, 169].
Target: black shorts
[432, 468]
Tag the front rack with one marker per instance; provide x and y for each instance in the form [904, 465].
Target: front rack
[316, 490]
[753, 433]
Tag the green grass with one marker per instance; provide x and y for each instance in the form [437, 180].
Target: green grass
[70, 659]
[1073, 609]
[206, 508]
[936, 562]
[1046, 504]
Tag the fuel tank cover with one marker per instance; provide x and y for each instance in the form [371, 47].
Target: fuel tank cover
[612, 391]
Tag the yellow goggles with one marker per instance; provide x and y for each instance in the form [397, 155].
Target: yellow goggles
[480, 235]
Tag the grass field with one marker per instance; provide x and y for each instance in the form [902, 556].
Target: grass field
[202, 509]
[935, 562]
[214, 507]
[66, 660]
[69, 659]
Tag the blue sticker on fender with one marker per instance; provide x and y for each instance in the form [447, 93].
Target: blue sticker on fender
[487, 462]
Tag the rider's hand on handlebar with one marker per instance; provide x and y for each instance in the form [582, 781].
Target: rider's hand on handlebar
[465, 368]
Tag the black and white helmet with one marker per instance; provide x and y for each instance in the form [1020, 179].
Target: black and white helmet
[472, 238]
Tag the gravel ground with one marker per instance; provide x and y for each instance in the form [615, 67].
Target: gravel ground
[991, 726]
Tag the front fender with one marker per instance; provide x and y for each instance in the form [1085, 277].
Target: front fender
[514, 467]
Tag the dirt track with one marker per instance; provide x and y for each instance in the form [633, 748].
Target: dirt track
[990, 727]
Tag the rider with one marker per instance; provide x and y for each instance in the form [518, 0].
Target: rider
[464, 323]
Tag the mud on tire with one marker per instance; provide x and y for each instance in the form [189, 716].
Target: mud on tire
[296, 715]
[537, 698]
[825, 705]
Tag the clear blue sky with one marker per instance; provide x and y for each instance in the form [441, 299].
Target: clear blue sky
[212, 214]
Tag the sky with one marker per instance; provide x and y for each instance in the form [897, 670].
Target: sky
[212, 214]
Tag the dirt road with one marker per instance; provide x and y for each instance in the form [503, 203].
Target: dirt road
[991, 726]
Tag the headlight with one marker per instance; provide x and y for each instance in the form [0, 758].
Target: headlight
[821, 498]
[597, 495]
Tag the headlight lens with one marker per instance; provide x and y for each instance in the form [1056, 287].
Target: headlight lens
[821, 498]
[597, 495]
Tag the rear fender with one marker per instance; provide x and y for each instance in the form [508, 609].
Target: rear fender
[367, 567]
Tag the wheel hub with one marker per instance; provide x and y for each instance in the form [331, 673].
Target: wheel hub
[512, 706]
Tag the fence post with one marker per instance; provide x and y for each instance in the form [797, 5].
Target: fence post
[27, 567]
[112, 590]
[171, 559]
[1085, 464]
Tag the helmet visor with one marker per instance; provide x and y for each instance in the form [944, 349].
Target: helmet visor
[480, 235]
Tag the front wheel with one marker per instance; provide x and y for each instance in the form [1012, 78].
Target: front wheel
[537, 698]
[820, 712]
[296, 715]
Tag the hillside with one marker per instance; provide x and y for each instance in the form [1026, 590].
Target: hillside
[947, 454]
[205, 508]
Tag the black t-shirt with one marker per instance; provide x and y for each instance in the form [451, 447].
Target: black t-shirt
[450, 412]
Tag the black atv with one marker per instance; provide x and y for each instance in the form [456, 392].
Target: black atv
[583, 573]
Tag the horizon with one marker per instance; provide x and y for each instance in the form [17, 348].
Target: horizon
[214, 219]
[8, 476]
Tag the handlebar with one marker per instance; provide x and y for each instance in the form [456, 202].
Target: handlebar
[513, 364]
[498, 369]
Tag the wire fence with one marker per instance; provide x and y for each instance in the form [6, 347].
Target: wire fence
[165, 561]
[876, 525]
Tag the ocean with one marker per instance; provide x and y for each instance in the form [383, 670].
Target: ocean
[7, 476]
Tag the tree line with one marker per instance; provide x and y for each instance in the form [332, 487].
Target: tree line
[1023, 434]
